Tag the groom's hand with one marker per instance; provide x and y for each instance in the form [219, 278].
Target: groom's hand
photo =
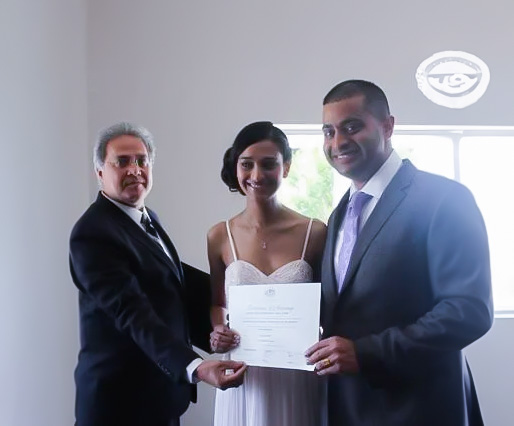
[215, 373]
[334, 355]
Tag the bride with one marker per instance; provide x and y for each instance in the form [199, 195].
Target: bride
[266, 243]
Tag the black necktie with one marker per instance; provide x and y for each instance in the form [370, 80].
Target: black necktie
[150, 230]
[147, 224]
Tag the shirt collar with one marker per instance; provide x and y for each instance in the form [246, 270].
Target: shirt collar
[377, 184]
[132, 212]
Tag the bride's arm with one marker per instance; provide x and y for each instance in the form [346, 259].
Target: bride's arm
[316, 246]
[222, 338]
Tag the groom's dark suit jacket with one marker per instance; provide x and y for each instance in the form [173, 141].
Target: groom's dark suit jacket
[417, 291]
[137, 319]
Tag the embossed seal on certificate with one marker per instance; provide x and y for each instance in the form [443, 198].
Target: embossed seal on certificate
[270, 292]
[453, 79]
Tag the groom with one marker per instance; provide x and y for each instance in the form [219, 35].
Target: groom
[136, 366]
[405, 278]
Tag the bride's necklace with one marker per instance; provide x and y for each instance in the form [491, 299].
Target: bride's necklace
[263, 244]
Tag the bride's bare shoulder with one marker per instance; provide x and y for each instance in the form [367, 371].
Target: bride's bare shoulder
[218, 232]
[215, 230]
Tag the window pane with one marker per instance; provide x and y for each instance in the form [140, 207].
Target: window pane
[432, 154]
[308, 188]
[485, 178]
[313, 188]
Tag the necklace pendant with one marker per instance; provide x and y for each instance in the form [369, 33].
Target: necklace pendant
[263, 245]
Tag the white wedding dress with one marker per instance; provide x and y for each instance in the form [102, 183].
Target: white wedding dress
[270, 396]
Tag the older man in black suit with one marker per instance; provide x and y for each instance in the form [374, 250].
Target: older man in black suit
[406, 278]
[136, 365]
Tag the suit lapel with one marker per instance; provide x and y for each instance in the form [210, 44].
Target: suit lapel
[385, 208]
[392, 197]
[175, 260]
[136, 232]
[329, 279]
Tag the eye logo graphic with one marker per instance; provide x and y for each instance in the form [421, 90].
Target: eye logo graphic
[453, 79]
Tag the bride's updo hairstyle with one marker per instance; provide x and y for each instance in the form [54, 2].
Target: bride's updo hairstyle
[253, 133]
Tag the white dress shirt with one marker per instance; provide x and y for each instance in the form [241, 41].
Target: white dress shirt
[375, 187]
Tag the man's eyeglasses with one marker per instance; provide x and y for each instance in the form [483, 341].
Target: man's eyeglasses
[123, 162]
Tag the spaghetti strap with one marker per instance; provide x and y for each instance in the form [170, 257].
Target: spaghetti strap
[306, 238]
[230, 239]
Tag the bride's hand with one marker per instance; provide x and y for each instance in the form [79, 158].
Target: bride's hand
[223, 339]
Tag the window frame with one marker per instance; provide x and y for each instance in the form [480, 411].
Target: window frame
[453, 132]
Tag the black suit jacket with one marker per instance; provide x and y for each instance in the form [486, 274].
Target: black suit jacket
[417, 291]
[134, 328]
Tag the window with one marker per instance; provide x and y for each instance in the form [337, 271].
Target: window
[480, 157]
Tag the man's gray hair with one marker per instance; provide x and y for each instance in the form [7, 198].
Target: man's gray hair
[121, 129]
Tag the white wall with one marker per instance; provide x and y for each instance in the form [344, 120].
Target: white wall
[490, 359]
[43, 117]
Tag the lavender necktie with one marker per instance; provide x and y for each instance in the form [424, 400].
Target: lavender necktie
[350, 233]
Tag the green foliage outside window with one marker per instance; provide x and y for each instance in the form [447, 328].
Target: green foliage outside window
[309, 187]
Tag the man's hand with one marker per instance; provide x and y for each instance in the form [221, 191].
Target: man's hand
[223, 339]
[334, 355]
[215, 373]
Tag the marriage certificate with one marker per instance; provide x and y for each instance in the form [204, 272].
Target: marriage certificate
[277, 323]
